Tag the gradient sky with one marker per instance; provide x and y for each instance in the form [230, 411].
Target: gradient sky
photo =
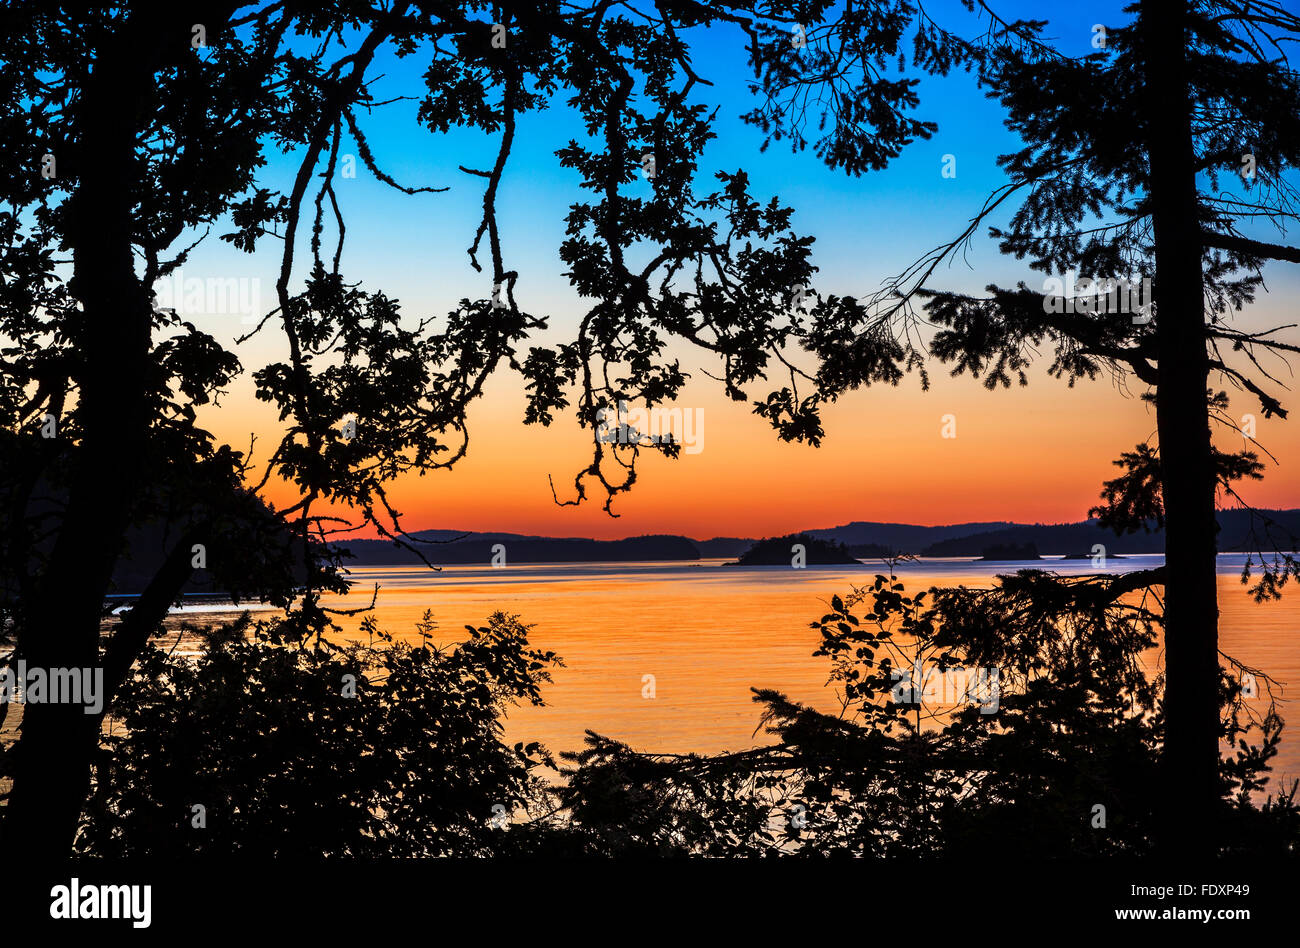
[1035, 454]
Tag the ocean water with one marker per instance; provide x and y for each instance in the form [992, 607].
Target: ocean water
[708, 633]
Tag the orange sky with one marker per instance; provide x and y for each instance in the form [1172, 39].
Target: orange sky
[1033, 454]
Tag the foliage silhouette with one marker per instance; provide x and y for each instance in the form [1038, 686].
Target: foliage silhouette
[154, 141]
[157, 142]
[1062, 718]
[379, 748]
[1149, 158]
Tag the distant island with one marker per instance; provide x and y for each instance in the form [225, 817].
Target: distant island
[859, 540]
[871, 551]
[481, 548]
[147, 547]
[1011, 551]
[779, 551]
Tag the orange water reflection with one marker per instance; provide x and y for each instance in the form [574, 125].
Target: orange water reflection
[709, 633]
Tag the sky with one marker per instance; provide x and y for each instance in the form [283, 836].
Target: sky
[1037, 454]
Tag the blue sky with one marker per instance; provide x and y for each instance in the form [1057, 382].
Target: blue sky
[867, 228]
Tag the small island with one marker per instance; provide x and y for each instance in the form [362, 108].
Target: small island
[778, 551]
[1011, 551]
[871, 551]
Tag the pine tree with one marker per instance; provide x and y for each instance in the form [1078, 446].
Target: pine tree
[1155, 157]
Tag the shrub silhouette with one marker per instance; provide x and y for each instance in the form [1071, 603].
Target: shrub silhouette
[287, 759]
[1077, 724]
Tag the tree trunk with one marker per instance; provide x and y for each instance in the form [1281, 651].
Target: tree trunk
[60, 629]
[1191, 754]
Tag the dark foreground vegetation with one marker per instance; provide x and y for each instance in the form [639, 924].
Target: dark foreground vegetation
[797, 549]
[1165, 153]
[270, 745]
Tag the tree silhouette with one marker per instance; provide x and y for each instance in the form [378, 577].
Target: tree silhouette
[1146, 159]
[132, 130]
[374, 749]
[986, 724]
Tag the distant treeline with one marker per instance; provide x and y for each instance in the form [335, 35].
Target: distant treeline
[482, 547]
[148, 546]
[1235, 535]
[778, 551]
[862, 539]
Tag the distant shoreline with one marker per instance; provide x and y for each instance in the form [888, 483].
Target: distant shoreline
[194, 602]
[1084, 538]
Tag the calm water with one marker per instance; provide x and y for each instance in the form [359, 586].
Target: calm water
[708, 633]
